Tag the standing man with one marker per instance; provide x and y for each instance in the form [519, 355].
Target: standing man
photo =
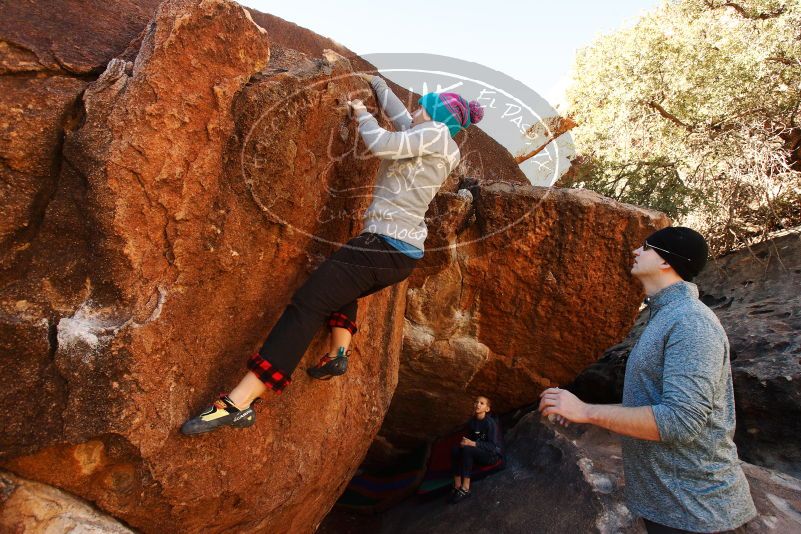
[677, 417]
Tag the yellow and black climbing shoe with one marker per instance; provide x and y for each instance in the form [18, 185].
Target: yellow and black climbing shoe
[222, 413]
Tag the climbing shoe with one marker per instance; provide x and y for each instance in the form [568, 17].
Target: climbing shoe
[329, 367]
[222, 413]
[459, 495]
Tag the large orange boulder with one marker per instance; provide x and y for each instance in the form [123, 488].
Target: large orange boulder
[521, 299]
[47, 53]
[182, 214]
[70, 37]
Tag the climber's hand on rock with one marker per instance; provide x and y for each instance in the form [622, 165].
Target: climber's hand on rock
[356, 108]
[468, 443]
[562, 403]
[366, 77]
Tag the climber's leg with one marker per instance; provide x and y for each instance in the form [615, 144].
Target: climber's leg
[364, 265]
[251, 386]
[340, 337]
[337, 282]
[360, 268]
[343, 326]
[389, 268]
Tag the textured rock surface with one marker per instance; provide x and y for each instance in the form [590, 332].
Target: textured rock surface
[69, 36]
[156, 268]
[33, 114]
[504, 308]
[36, 508]
[563, 480]
[756, 296]
[48, 52]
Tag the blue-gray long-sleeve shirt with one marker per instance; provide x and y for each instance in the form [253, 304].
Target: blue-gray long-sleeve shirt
[692, 478]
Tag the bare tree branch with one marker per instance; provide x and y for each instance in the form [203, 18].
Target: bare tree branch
[745, 13]
[669, 116]
[731, 122]
[563, 125]
[784, 61]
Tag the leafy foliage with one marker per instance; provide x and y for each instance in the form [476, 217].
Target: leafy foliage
[694, 111]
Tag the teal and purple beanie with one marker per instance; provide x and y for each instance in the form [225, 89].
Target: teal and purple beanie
[452, 110]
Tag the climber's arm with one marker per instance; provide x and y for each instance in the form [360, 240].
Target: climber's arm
[423, 139]
[427, 138]
[390, 104]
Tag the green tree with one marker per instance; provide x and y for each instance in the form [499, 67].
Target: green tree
[694, 111]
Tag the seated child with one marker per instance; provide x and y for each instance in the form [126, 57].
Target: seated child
[481, 445]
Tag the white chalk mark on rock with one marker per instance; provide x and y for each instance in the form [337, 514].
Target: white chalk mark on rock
[85, 327]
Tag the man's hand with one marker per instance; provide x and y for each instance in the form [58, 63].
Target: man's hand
[468, 443]
[356, 108]
[636, 422]
[366, 77]
[562, 403]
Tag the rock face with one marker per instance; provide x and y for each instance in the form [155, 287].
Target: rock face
[567, 480]
[755, 295]
[44, 68]
[145, 258]
[43, 73]
[506, 304]
[35, 508]
[69, 37]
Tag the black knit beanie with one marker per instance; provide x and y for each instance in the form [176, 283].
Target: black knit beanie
[683, 248]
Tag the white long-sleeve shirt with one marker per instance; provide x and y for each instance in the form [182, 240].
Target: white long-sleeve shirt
[415, 163]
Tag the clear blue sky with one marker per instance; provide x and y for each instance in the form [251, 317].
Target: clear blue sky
[532, 41]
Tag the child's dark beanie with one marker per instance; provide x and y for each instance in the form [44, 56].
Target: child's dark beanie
[687, 248]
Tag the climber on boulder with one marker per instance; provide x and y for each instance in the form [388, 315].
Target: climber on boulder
[415, 161]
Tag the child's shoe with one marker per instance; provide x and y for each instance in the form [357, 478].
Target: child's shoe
[459, 495]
